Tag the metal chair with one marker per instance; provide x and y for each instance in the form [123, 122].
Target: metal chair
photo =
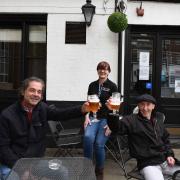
[176, 175]
[65, 139]
[112, 147]
[174, 141]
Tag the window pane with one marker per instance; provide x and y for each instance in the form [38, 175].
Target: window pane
[170, 73]
[36, 55]
[75, 33]
[37, 34]
[141, 66]
[10, 48]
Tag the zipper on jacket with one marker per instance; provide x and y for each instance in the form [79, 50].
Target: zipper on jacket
[155, 123]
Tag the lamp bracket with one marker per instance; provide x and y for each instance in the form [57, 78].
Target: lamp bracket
[120, 6]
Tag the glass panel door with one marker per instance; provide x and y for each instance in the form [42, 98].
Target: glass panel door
[141, 66]
[152, 65]
[170, 72]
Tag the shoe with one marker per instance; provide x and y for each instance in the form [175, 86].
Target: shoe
[99, 173]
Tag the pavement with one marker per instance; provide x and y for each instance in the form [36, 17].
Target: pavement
[112, 170]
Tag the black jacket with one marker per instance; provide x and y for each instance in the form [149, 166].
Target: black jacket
[104, 91]
[148, 143]
[20, 139]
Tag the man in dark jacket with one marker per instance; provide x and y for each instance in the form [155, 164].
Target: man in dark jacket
[148, 140]
[23, 125]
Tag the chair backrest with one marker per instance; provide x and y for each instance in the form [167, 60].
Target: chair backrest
[65, 139]
[53, 128]
[58, 130]
[160, 116]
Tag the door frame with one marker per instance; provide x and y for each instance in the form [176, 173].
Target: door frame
[19, 21]
[157, 33]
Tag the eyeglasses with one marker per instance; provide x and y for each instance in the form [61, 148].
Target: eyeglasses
[103, 70]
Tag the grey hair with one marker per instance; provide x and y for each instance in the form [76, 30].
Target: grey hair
[25, 85]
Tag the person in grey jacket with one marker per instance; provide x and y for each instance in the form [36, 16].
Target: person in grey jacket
[148, 139]
[23, 125]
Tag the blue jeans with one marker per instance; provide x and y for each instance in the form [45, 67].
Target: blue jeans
[4, 172]
[95, 139]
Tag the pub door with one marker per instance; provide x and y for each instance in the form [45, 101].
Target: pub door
[152, 65]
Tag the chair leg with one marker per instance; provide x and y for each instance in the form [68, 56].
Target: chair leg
[122, 159]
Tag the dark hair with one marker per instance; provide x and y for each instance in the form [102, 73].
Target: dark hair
[104, 65]
[25, 85]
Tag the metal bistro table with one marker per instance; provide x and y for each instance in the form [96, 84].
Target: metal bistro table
[54, 168]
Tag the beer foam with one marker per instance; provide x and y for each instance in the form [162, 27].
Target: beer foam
[115, 102]
[94, 100]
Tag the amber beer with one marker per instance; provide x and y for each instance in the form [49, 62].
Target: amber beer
[94, 105]
[115, 105]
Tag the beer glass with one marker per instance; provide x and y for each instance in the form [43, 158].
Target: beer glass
[115, 103]
[93, 104]
[55, 164]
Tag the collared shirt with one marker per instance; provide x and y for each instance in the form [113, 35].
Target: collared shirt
[28, 111]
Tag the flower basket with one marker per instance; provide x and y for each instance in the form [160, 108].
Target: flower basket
[117, 22]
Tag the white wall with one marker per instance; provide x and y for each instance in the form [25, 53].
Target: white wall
[70, 68]
[155, 13]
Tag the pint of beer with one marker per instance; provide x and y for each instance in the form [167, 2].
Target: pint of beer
[93, 103]
[115, 105]
[115, 102]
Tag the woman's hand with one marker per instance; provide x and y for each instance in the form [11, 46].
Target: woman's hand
[107, 130]
[108, 104]
[87, 121]
[170, 161]
[85, 108]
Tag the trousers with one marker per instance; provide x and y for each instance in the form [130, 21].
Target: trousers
[4, 172]
[157, 171]
[94, 141]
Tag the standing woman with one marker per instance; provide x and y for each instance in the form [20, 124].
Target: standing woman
[97, 131]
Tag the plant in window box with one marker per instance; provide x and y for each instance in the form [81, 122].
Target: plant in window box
[117, 22]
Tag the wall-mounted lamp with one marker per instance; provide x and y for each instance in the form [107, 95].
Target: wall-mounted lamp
[88, 10]
[120, 6]
[140, 10]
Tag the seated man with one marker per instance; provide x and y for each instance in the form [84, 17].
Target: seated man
[148, 140]
[23, 125]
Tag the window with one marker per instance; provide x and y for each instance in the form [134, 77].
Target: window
[22, 51]
[170, 73]
[10, 48]
[75, 33]
[36, 52]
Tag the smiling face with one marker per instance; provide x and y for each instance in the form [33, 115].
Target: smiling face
[103, 70]
[33, 94]
[146, 108]
[103, 74]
